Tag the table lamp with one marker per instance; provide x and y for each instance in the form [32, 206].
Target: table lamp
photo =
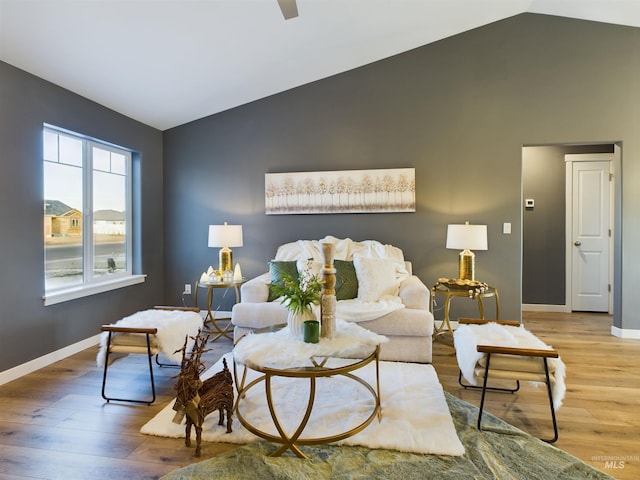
[225, 236]
[466, 238]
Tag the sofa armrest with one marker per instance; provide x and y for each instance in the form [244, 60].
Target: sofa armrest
[256, 290]
[414, 293]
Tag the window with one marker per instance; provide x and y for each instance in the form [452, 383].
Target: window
[87, 215]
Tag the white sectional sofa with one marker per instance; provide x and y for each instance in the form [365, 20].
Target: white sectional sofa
[390, 300]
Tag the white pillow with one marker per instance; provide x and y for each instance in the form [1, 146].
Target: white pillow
[376, 278]
[315, 268]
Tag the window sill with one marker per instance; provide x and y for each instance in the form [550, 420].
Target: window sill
[86, 290]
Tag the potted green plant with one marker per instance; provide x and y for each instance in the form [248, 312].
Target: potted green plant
[299, 295]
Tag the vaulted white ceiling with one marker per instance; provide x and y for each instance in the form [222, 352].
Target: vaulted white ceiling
[168, 62]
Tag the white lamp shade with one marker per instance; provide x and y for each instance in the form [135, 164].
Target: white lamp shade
[225, 235]
[467, 237]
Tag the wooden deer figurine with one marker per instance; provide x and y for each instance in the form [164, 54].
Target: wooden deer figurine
[196, 399]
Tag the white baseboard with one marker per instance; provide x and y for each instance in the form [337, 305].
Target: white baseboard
[46, 360]
[538, 307]
[625, 332]
[615, 331]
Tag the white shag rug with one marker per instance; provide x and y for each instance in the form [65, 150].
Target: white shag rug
[415, 415]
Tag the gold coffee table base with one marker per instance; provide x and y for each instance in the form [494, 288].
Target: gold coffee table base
[313, 373]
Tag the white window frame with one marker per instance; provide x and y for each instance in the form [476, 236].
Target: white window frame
[92, 284]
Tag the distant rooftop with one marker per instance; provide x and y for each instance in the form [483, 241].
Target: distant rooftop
[56, 208]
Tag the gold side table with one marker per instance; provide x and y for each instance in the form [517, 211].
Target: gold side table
[450, 293]
[211, 322]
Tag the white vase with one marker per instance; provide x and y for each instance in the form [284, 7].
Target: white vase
[295, 321]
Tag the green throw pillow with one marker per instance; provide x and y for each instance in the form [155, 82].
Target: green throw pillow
[276, 269]
[346, 280]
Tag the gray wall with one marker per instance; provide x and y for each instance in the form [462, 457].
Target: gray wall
[28, 329]
[543, 227]
[458, 110]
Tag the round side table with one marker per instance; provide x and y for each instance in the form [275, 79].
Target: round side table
[211, 322]
[450, 293]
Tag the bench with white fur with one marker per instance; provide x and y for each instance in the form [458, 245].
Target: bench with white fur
[505, 350]
[161, 330]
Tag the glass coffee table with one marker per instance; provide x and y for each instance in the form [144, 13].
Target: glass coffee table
[255, 368]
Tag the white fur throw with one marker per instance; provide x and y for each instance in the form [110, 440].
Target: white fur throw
[172, 327]
[375, 298]
[345, 249]
[281, 349]
[356, 310]
[468, 336]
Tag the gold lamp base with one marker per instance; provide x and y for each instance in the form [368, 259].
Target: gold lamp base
[467, 265]
[226, 259]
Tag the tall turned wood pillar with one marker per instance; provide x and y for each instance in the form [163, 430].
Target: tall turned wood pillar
[328, 300]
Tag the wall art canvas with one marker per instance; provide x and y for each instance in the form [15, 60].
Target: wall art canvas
[342, 191]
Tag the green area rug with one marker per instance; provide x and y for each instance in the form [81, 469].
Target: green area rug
[499, 451]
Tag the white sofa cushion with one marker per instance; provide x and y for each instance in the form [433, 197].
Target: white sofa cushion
[258, 315]
[405, 322]
[311, 266]
[376, 278]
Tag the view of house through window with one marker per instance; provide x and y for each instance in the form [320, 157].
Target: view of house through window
[87, 210]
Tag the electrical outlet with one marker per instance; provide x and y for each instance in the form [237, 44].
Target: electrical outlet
[187, 289]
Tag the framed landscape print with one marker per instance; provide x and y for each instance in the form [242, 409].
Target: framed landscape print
[342, 191]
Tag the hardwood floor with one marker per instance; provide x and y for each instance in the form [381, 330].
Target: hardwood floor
[599, 421]
[55, 425]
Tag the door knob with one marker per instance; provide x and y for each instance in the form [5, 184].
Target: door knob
[577, 243]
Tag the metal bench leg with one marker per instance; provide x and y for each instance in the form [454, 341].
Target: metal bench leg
[484, 390]
[495, 389]
[165, 365]
[548, 383]
[553, 412]
[104, 376]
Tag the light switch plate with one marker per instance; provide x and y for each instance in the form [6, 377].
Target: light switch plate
[506, 228]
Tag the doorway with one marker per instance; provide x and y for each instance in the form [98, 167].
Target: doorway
[589, 231]
[546, 264]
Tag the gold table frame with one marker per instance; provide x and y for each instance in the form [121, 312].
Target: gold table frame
[210, 321]
[313, 372]
[450, 293]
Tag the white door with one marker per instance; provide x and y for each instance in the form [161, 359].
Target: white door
[590, 232]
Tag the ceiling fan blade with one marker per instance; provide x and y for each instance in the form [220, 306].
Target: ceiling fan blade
[289, 8]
